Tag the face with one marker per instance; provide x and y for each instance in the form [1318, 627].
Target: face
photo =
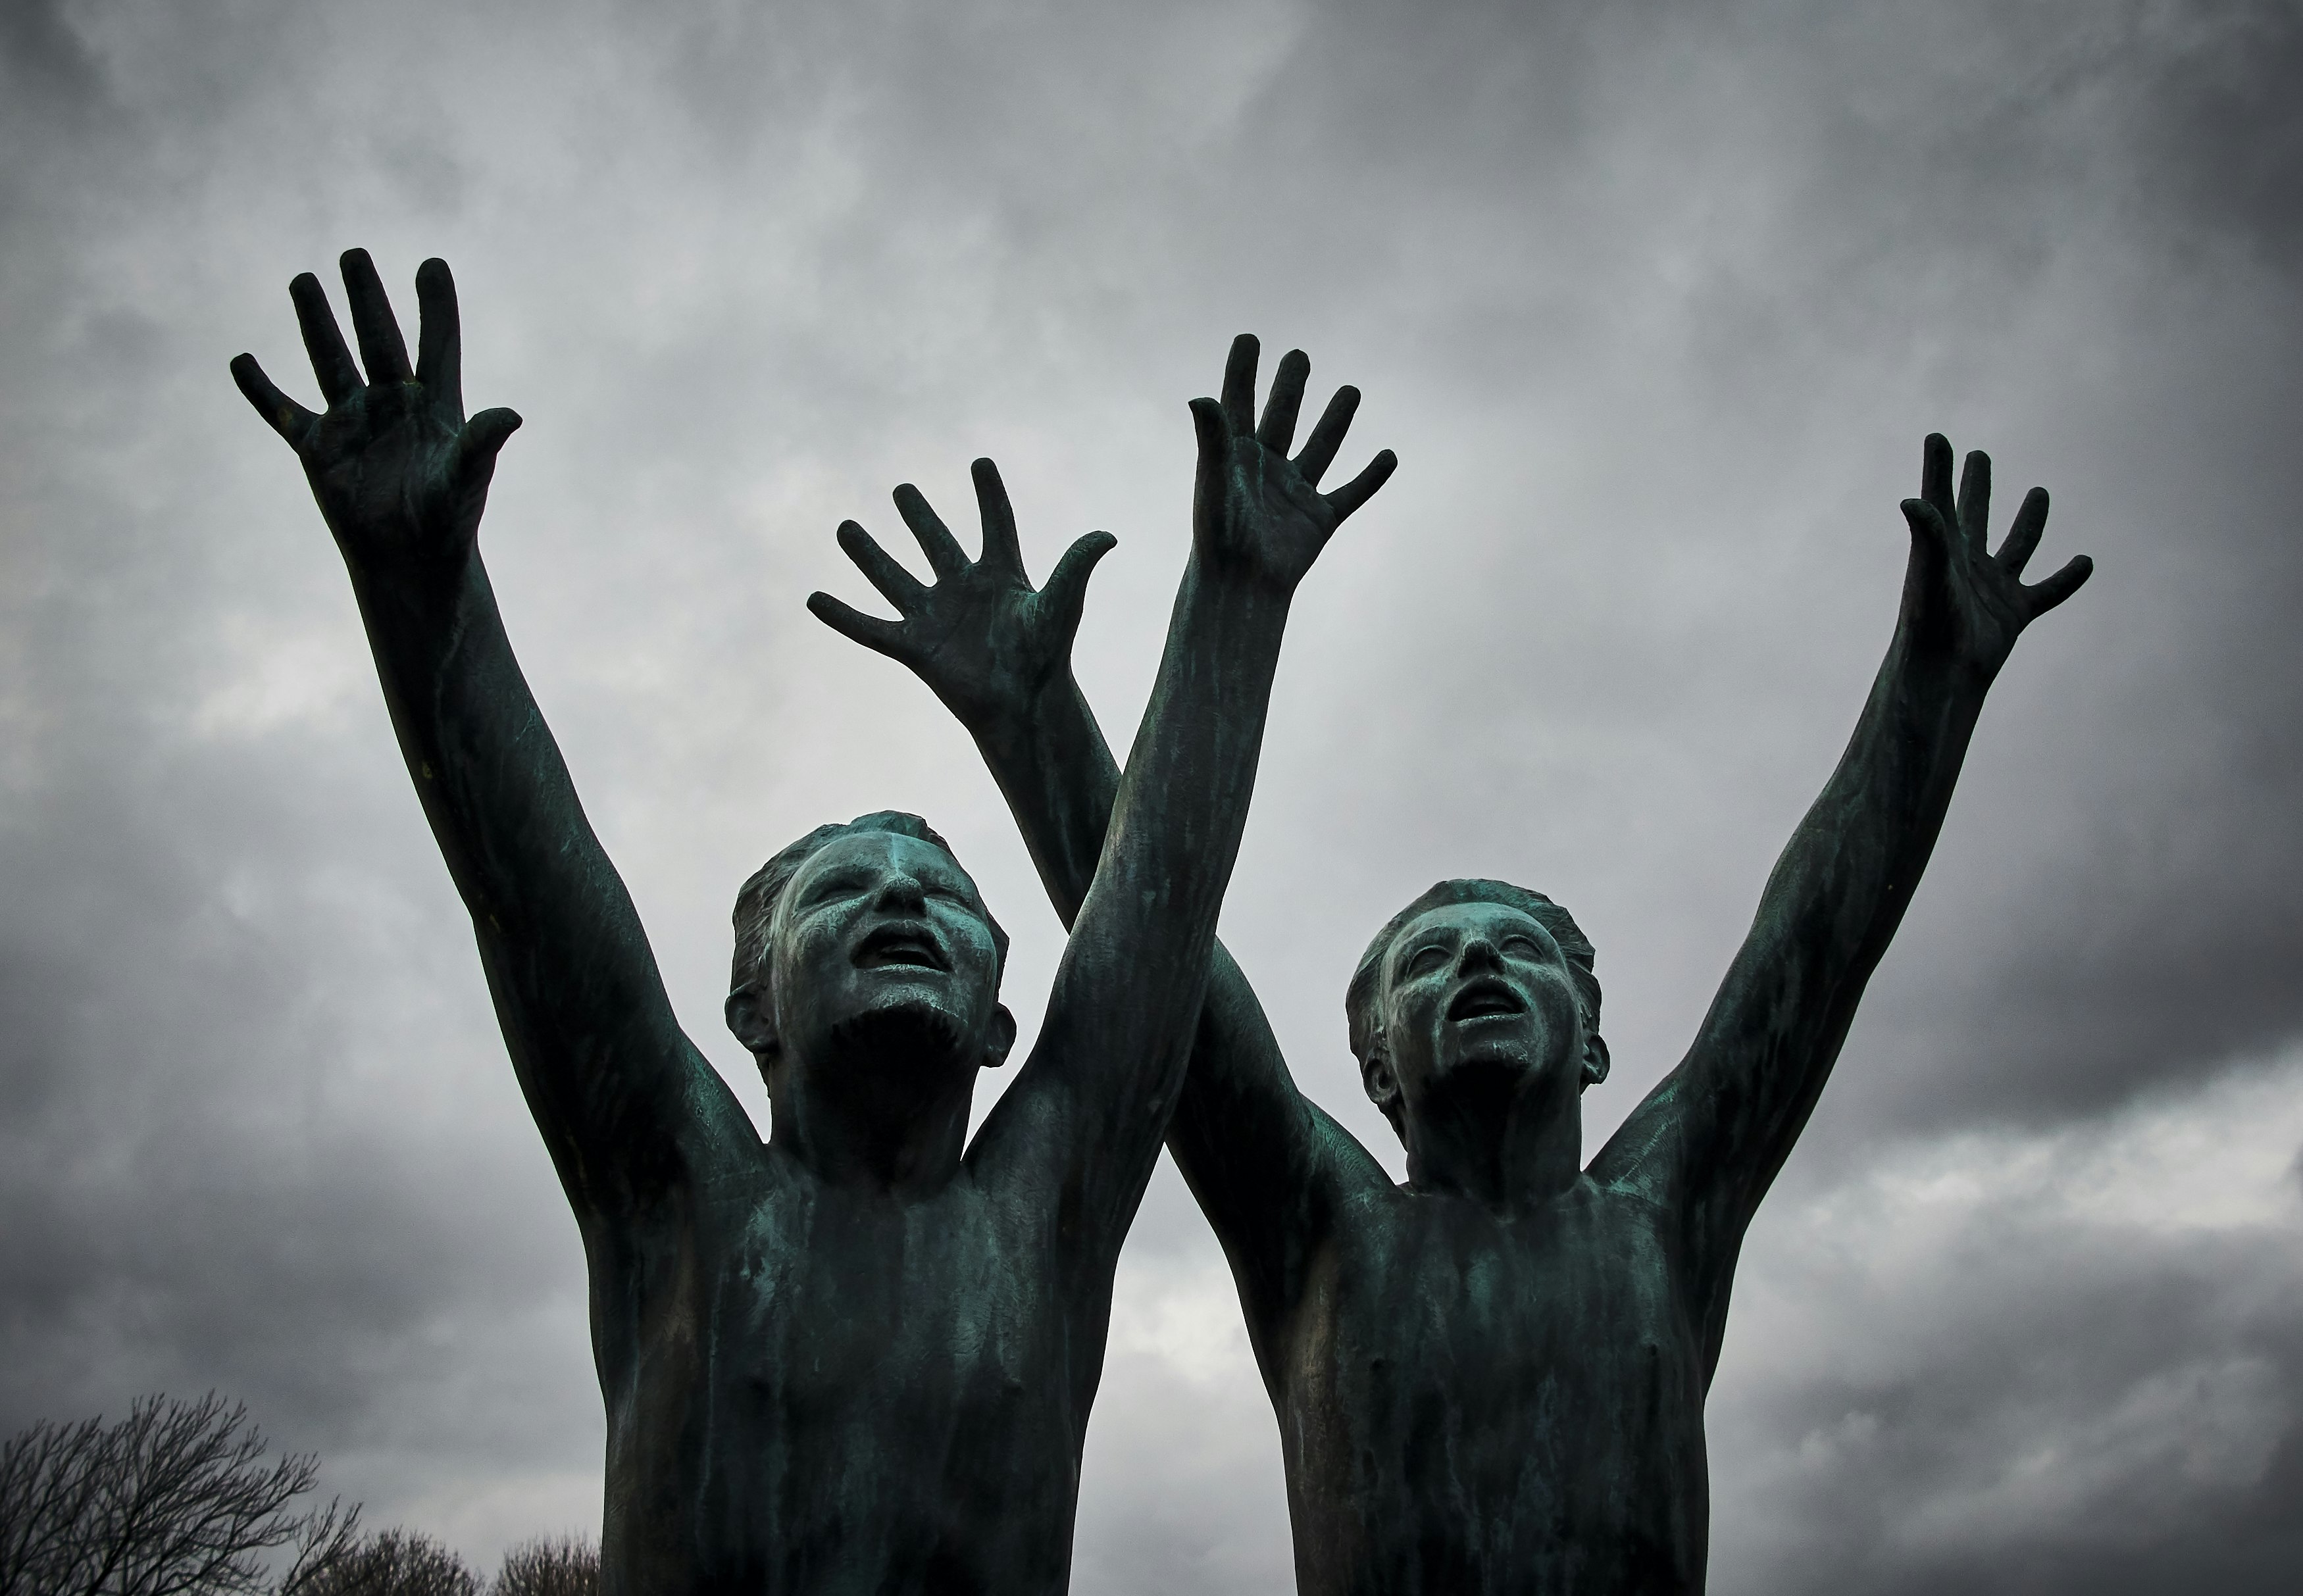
[880, 942]
[1477, 990]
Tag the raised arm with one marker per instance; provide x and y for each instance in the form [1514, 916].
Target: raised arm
[401, 477]
[1265, 1164]
[1711, 1137]
[1122, 1017]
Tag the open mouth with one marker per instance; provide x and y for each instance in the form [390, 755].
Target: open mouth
[1485, 998]
[905, 944]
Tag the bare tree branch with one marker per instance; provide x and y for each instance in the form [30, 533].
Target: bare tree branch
[176, 1499]
[561, 1565]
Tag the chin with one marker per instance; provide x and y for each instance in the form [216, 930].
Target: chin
[906, 1024]
[1503, 1056]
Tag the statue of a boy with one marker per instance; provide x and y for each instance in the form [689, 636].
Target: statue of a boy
[1490, 1380]
[857, 1358]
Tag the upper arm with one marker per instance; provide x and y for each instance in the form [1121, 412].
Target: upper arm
[1709, 1141]
[627, 1104]
[1267, 1165]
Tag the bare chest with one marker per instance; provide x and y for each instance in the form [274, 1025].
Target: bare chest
[1497, 1400]
[828, 1396]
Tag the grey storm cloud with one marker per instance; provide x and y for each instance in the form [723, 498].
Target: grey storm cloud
[1655, 303]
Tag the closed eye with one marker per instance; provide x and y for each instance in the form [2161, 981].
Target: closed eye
[1524, 948]
[827, 887]
[1426, 959]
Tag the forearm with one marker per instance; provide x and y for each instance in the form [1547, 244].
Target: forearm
[1183, 802]
[1844, 882]
[542, 893]
[1139, 953]
[1247, 1143]
[1056, 771]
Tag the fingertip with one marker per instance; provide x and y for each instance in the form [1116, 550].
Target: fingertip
[433, 270]
[355, 259]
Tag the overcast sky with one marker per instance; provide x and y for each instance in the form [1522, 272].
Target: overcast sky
[1655, 301]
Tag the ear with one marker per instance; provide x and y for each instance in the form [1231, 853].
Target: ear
[751, 1027]
[1595, 1059]
[1382, 1084]
[1002, 1037]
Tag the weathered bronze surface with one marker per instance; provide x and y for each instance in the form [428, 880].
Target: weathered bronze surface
[859, 1356]
[1491, 1379]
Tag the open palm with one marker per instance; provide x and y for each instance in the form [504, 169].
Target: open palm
[982, 639]
[1253, 509]
[1963, 604]
[400, 474]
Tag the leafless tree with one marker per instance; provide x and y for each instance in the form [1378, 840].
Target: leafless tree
[395, 1563]
[175, 1499]
[561, 1565]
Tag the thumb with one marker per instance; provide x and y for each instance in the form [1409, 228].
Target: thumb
[482, 437]
[881, 636]
[1931, 538]
[1208, 420]
[2062, 585]
[1927, 524]
[1065, 592]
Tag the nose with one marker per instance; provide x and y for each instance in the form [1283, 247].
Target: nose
[901, 892]
[1479, 954]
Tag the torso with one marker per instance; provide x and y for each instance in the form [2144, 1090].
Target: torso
[1472, 1404]
[811, 1391]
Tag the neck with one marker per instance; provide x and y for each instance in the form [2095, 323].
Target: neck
[892, 1129]
[1505, 1142]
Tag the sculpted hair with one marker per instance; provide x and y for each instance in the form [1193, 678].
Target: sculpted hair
[1359, 999]
[755, 904]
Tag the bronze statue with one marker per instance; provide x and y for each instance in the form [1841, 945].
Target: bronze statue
[859, 1356]
[1491, 1379]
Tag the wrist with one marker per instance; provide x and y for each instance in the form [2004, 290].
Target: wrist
[1014, 729]
[421, 593]
[1941, 669]
[1237, 585]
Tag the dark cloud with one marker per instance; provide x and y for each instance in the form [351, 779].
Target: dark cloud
[1655, 303]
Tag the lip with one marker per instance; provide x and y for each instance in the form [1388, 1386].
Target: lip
[1488, 998]
[902, 944]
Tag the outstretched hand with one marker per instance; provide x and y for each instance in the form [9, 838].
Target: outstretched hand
[1963, 604]
[1255, 511]
[401, 476]
[979, 635]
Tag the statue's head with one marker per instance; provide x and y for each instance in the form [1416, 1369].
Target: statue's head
[867, 947]
[1474, 982]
